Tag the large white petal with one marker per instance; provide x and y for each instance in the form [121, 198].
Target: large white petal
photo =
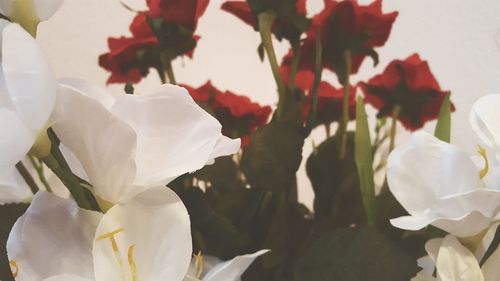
[28, 77]
[67, 277]
[53, 237]
[155, 227]
[90, 90]
[457, 263]
[490, 268]
[484, 118]
[13, 188]
[233, 269]
[425, 169]
[46, 8]
[174, 134]
[104, 144]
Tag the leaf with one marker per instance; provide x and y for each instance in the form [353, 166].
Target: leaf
[443, 126]
[273, 156]
[354, 254]
[223, 173]
[364, 162]
[8, 216]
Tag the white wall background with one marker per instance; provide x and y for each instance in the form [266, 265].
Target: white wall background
[460, 39]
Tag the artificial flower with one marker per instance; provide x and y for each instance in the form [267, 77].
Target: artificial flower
[36, 10]
[209, 268]
[439, 184]
[290, 20]
[127, 144]
[27, 98]
[130, 58]
[329, 107]
[409, 85]
[182, 12]
[147, 239]
[238, 115]
[454, 262]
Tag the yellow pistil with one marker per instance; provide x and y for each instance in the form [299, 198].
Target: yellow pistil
[131, 262]
[114, 246]
[486, 168]
[198, 264]
[14, 268]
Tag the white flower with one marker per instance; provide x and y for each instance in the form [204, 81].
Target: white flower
[454, 262]
[129, 143]
[439, 184]
[27, 97]
[41, 10]
[209, 268]
[146, 239]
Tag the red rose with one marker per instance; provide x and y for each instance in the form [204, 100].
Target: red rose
[290, 21]
[410, 85]
[238, 115]
[181, 12]
[129, 58]
[330, 100]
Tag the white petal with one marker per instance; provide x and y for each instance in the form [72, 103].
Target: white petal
[233, 269]
[225, 146]
[16, 138]
[13, 188]
[456, 263]
[67, 277]
[46, 8]
[6, 7]
[104, 144]
[432, 248]
[425, 169]
[484, 118]
[90, 90]
[490, 268]
[174, 134]
[28, 77]
[53, 237]
[155, 225]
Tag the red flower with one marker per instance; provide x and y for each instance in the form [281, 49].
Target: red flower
[330, 100]
[410, 85]
[238, 115]
[181, 12]
[290, 23]
[129, 58]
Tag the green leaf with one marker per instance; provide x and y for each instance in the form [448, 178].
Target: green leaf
[443, 127]
[354, 254]
[364, 162]
[273, 156]
[223, 173]
[8, 216]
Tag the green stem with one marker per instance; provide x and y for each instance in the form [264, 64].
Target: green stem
[345, 104]
[162, 76]
[69, 180]
[317, 81]
[265, 24]
[295, 64]
[27, 177]
[170, 72]
[39, 170]
[395, 114]
[24, 13]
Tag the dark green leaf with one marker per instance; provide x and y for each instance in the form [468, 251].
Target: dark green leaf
[443, 126]
[354, 254]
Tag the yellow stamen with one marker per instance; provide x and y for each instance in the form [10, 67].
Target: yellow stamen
[198, 264]
[114, 246]
[486, 168]
[131, 262]
[14, 268]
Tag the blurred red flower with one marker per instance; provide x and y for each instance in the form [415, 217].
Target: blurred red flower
[238, 115]
[290, 20]
[329, 107]
[181, 12]
[410, 85]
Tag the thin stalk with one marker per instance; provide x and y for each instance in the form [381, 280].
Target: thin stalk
[162, 76]
[69, 180]
[170, 72]
[27, 177]
[41, 175]
[295, 65]
[345, 104]
[266, 21]
[395, 114]
[317, 81]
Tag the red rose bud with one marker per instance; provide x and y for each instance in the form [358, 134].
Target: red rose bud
[410, 85]
[290, 20]
[238, 115]
[181, 12]
[329, 108]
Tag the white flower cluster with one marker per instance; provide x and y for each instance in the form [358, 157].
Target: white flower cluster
[440, 185]
[127, 147]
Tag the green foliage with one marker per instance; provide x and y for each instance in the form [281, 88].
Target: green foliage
[364, 161]
[353, 254]
[443, 126]
[8, 215]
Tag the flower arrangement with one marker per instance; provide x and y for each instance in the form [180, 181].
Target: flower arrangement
[196, 183]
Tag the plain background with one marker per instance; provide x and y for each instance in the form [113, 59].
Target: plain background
[459, 38]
